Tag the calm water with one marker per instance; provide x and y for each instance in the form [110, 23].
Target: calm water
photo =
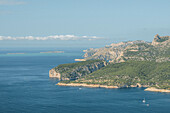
[26, 88]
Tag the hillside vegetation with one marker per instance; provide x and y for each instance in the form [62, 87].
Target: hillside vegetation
[130, 73]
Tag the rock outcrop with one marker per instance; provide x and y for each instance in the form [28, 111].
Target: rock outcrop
[54, 74]
[161, 40]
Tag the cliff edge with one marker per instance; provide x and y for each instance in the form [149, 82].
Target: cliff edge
[76, 70]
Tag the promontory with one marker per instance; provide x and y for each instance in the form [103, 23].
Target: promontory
[121, 65]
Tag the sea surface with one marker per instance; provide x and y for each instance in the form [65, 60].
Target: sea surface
[26, 88]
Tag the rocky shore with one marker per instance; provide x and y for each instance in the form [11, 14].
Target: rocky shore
[86, 85]
[157, 90]
[105, 86]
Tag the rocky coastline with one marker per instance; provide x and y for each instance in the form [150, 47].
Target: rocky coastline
[87, 85]
[157, 90]
[111, 87]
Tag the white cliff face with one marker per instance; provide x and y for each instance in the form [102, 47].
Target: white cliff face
[54, 74]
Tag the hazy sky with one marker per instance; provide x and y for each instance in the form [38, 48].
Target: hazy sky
[108, 20]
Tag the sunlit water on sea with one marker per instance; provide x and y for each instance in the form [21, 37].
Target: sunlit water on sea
[26, 88]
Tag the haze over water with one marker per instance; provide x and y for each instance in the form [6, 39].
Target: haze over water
[26, 88]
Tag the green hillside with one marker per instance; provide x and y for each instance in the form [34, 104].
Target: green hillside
[130, 73]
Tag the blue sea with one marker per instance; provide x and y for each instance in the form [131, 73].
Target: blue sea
[26, 88]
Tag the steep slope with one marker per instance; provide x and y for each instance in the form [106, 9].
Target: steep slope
[74, 71]
[130, 74]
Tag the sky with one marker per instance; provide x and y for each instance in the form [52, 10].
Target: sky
[87, 23]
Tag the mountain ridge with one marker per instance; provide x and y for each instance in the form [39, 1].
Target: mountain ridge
[133, 50]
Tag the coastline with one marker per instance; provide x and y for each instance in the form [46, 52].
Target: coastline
[109, 87]
[157, 90]
[79, 60]
[87, 85]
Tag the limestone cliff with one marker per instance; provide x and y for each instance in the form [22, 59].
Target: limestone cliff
[74, 71]
[161, 40]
